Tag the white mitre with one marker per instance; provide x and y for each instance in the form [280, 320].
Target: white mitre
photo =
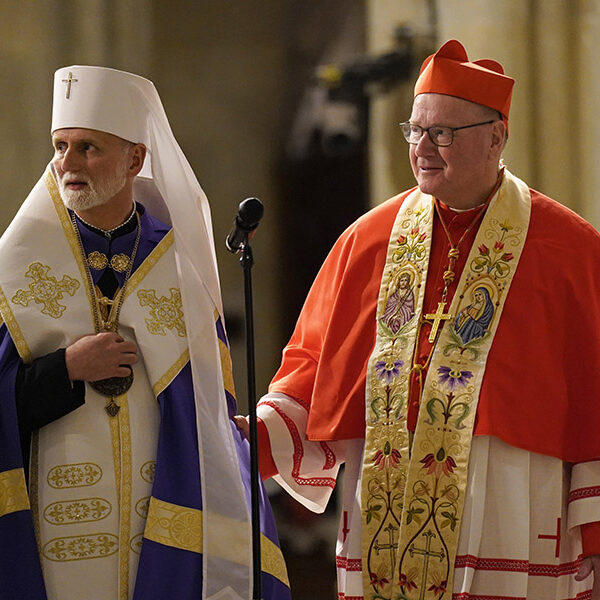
[129, 107]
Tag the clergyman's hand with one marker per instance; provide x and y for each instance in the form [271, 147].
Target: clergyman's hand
[99, 356]
[591, 564]
[242, 424]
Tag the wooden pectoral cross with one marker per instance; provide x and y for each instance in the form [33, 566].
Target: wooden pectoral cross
[436, 318]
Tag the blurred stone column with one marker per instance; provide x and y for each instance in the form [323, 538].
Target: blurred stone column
[28, 33]
[585, 75]
[389, 170]
[501, 31]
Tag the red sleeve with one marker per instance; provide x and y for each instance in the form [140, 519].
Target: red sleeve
[324, 364]
[590, 538]
[266, 464]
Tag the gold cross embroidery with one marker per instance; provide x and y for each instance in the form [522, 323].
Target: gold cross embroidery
[46, 290]
[427, 553]
[392, 546]
[164, 312]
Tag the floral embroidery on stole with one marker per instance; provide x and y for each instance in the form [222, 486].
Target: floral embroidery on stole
[413, 490]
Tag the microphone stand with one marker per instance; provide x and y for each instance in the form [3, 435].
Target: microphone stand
[247, 261]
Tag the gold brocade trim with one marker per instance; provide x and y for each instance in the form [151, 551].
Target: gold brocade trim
[175, 526]
[413, 494]
[15, 331]
[181, 527]
[171, 373]
[34, 486]
[226, 368]
[149, 262]
[121, 442]
[115, 437]
[13, 492]
[272, 561]
[67, 227]
[226, 364]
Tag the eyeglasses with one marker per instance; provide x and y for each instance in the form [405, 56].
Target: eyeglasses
[440, 136]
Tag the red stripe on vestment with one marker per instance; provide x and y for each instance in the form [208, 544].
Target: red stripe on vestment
[587, 595]
[491, 564]
[329, 456]
[467, 596]
[348, 564]
[478, 563]
[299, 452]
[583, 493]
[554, 570]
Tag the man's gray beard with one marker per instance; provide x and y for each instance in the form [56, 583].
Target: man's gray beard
[96, 193]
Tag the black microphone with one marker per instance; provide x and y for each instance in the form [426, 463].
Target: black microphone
[249, 214]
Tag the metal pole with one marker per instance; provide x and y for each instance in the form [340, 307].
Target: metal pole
[247, 261]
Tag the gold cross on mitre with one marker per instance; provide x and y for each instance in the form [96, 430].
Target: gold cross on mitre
[69, 81]
[438, 316]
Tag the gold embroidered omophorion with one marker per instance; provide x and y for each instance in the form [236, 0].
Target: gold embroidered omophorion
[413, 493]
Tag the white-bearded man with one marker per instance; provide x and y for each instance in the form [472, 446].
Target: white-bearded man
[116, 389]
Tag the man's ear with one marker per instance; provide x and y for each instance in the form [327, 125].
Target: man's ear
[137, 157]
[499, 136]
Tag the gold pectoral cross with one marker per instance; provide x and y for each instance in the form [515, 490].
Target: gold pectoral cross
[438, 316]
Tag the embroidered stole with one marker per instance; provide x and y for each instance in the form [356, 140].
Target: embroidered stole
[93, 506]
[413, 491]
